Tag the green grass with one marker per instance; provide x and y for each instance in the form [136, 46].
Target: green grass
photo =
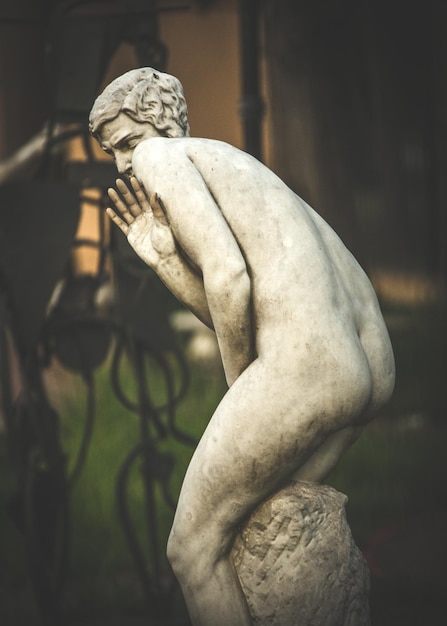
[102, 572]
[99, 548]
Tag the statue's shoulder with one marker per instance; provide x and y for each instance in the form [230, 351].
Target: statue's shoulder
[156, 145]
[161, 147]
[157, 150]
[155, 153]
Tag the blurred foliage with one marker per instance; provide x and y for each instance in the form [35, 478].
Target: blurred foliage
[102, 578]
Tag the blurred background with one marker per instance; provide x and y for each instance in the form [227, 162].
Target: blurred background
[106, 384]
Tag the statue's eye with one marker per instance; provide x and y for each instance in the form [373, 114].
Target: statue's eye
[128, 144]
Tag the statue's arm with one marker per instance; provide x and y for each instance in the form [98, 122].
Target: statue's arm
[186, 285]
[145, 225]
[204, 235]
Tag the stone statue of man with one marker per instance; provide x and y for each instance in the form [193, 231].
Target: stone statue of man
[305, 350]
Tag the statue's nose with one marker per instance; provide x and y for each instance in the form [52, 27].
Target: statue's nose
[123, 164]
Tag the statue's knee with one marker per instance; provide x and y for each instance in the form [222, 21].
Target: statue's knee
[173, 551]
[191, 553]
[181, 550]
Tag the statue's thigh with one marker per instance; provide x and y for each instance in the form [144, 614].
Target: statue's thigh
[264, 429]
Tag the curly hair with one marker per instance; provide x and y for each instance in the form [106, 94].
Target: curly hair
[146, 96]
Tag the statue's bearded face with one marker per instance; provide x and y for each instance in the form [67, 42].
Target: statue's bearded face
[120, 136]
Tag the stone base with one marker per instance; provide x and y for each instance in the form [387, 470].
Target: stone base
[298, 563]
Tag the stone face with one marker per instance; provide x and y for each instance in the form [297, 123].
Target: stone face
[298, 563]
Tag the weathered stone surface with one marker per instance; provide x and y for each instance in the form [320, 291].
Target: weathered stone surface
[298, 563]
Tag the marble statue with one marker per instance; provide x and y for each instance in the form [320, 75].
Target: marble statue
[304, 347]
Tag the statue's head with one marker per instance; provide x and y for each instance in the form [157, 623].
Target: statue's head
[145, 95]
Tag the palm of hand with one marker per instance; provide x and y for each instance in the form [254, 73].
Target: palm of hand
[143, 221]
[151, 238]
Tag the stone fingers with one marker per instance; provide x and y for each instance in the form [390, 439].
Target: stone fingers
[117, 220]
[131, 203]
[121, 206]
[140, 194]
[158, 208]
[128, 202]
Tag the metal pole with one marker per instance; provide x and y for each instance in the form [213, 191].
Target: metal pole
[251, 106]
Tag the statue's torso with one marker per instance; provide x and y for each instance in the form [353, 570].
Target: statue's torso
[312, 302]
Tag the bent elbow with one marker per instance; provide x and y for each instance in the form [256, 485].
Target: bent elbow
[228, 281]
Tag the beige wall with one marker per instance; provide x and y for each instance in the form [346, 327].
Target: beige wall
[204, 55]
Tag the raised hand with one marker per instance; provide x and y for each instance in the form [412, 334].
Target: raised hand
[143, 220]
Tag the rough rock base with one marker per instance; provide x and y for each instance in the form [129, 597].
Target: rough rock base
[298, 563]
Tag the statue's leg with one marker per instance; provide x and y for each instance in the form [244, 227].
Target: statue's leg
[324, 459]
[265, 428]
